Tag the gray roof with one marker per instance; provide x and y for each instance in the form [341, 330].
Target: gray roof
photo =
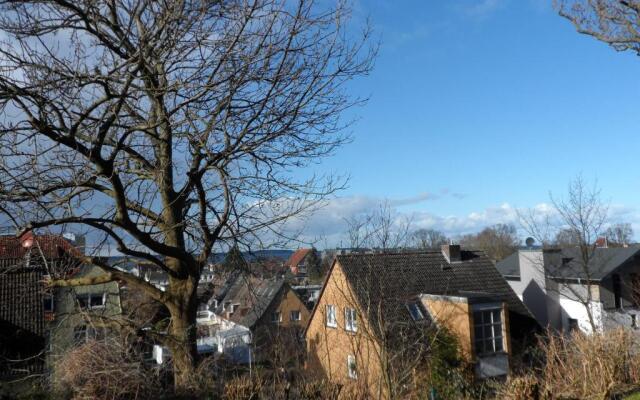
[392, 280]
[510, 266]
[252, 295]
[569, 263]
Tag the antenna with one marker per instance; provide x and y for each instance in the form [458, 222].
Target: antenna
[530, 241]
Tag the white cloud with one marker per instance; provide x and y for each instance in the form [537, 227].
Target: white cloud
[327, 227]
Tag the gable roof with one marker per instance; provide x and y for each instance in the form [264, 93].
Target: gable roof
[252, 295]
[392, 280]
[297, 257]
[568, 263]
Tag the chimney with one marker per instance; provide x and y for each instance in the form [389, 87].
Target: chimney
[451, 252]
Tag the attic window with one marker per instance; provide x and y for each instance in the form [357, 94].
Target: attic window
[566, 261]
[487, 322]
[276, 317]
[92, 300]
[415, 311]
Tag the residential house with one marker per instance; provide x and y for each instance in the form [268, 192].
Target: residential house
[374, 308]
[268, 308]
[301, 261]
[35, 320]
[567, 289]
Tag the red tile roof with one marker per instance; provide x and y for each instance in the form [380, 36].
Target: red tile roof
[51, 246]
[297, 257]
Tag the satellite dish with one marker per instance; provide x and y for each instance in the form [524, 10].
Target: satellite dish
[529, 241]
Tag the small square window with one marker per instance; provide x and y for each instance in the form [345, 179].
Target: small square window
[352, 369]
[331, 316]
[295, 315]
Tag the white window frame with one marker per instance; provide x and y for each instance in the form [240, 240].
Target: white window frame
[331, 319]
[295, 313]
[350, 319]
[352, 367]
[89, 296]
[487, 344]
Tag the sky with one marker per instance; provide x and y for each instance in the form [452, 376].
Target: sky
[478, 108]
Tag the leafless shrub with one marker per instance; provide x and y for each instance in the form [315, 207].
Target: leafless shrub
[580, 367]
[104, 370]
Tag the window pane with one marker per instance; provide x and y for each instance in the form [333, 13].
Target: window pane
[478, 332]
[487, 331]
[496, 316]
[498, 344]
[477, 317]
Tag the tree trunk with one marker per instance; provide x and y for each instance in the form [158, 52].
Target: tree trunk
[182, 332]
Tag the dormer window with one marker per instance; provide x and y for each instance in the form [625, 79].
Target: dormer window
[415, 311]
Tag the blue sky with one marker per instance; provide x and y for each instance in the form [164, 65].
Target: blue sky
[479, 107]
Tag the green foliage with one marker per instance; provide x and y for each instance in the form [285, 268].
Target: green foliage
[448, 372]
[315, 271]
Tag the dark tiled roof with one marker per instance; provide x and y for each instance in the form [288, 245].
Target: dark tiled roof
[253, 295]
[392, 280]
[22, 324]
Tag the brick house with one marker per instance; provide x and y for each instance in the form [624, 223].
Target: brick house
[373, 305]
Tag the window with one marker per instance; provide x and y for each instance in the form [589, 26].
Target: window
[487, 324]
[276, 317]
[92, 300]
[415, 311]
[331, 316]
[295, 315]
[351, 367]
[350, 320]
[48, 303]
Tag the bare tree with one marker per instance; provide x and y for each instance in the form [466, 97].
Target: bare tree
[582, 216]
[615, 22]
[378, 229]
[497, 241]
[429, 239]
[619, 235]
[170, 127]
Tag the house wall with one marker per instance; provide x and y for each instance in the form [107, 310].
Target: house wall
[457, 318]
[533, 288]
[281, 339]
[328, 348]
[68, 316]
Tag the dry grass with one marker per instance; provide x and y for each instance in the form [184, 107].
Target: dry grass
[580, 367]
[104, 370]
